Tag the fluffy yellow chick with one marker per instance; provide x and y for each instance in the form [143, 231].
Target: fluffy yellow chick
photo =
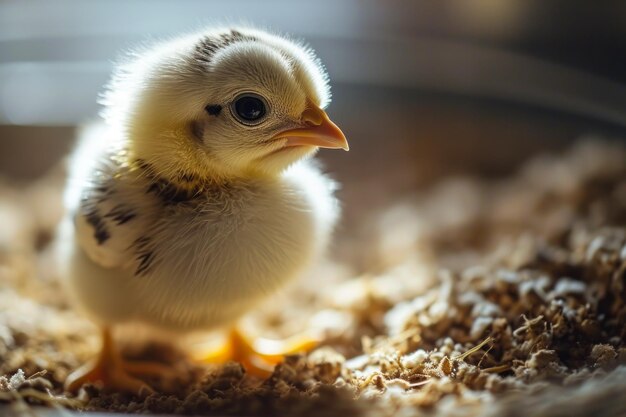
[197, 198]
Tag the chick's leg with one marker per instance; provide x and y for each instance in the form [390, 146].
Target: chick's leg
[258, 356]
[110, 369]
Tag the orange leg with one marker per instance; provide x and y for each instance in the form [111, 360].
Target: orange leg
[258, 356]
[113, 371]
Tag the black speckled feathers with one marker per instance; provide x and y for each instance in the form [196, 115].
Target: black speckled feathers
[108, 215]
[169, 192]
[210, 44]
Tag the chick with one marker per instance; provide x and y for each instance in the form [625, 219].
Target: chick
[197, 198]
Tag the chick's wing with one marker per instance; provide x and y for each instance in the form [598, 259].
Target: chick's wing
[110, 216]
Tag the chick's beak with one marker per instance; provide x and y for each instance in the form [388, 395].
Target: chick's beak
[320, 131]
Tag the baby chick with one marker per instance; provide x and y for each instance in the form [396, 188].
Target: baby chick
[197, 198]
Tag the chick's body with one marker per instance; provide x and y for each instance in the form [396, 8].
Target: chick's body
[195, 260]
[195, 200]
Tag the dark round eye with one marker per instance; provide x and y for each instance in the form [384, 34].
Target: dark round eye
[249, 108]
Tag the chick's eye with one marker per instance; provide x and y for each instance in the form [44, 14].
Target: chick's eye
[249, 109]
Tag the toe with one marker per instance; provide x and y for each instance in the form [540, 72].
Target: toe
[120, 381]
[88, 373]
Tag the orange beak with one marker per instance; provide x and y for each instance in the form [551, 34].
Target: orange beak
[321, 131]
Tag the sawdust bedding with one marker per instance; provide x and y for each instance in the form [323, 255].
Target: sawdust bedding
[488, 297]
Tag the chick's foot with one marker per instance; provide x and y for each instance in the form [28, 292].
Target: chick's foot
[258, 356]
[114, 372]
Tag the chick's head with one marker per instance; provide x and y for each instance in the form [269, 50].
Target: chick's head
[229, 102]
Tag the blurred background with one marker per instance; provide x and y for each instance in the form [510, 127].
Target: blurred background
[424, 90]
